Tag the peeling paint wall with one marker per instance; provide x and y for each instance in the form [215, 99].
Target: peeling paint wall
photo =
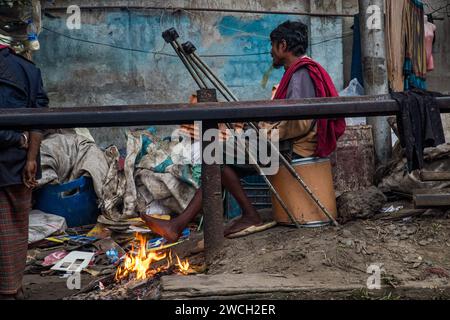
[326, 39]
[439, 78]
[78, 73]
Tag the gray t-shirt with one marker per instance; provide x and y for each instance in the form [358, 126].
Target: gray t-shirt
[301, 85]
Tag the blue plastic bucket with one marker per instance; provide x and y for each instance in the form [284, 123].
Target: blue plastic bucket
[76, 201]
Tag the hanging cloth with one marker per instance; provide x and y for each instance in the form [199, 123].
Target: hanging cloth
[395, 44]
[357, 70]
[415, 67]
[430, 30]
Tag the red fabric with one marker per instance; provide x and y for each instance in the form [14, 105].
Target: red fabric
[328, 130]
[2, 46]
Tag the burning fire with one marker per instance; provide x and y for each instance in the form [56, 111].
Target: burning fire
[184, 266]
[138, 265]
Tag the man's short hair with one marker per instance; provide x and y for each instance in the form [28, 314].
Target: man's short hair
[295, 33]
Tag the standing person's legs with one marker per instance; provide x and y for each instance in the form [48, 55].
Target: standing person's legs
[15, 206]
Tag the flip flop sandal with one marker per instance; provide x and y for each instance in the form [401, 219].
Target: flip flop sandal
[252, 230]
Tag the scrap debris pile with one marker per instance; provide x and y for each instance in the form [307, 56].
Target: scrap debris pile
[114, 245]
[107, 238]
[112, 258]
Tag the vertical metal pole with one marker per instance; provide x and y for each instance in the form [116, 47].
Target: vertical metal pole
[373, 47]
[212, 192]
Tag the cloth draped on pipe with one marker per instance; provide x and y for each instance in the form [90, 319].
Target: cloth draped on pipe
[15, 205]
[419, 124]
[328, 130]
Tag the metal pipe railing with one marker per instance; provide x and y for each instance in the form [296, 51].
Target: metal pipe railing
[202, 9]
[184, 113]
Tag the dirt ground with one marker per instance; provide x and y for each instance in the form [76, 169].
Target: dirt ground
[38, 287]
[411, 249]
[407, 251]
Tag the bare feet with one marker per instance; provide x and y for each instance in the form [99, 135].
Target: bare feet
[170, 231]
[165, 229]
[200, 247]
[242, 223]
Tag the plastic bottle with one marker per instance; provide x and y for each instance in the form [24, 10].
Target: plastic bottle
[33, 42]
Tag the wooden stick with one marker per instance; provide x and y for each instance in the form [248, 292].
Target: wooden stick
[435, 176]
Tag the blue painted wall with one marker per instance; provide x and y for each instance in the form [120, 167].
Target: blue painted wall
[78, 73]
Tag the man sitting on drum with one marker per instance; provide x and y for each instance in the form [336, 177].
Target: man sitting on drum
[303, 78]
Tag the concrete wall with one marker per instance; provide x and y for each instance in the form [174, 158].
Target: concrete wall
[439, 79]
[347, 41]
[78, 73]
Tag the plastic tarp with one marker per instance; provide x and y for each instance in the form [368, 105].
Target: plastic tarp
[43, 225]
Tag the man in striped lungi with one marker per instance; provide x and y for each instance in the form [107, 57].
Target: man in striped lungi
[20, 87]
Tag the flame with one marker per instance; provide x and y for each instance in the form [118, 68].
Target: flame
[183, 266]
[138, 265]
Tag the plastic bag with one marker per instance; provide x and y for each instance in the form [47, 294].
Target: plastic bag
[354, 89]
[43, 225]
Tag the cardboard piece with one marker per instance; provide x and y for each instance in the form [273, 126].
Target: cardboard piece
[74, 262]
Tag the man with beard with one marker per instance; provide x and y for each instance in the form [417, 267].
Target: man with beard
[303, 78]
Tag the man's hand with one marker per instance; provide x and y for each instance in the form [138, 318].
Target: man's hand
[31, 167]
[29, 174]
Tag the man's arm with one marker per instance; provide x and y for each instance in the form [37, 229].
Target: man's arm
[35, 139]
[300, 87]
[30, 169]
